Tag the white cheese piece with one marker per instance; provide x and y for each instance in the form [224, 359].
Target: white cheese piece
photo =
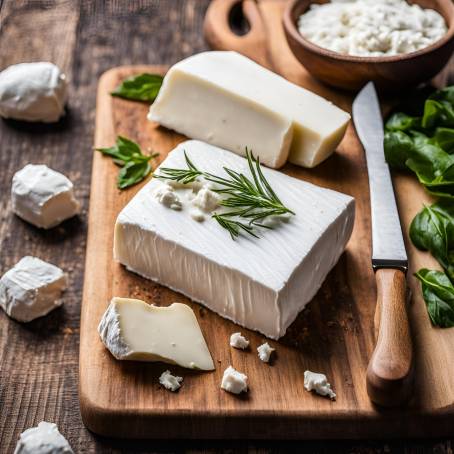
[264, 352]
[42, 196]
[43, 439]
[318, 383]
[228, 100]
[166, 195]
[206, 200]
[233, 381]
[31, 289]
[261, 284]
[169, 381]
[32, 92]
[239, 341]
[134, 330]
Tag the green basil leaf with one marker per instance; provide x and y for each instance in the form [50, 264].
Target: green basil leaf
[132, 173]
[438, 293]
[402, 122]
[432, 229]
[123, 151]
[144, 87]
[398, 148]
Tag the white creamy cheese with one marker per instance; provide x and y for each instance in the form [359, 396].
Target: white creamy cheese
[371, 28]
[262, 283]
[233, 381]
[318, 383]
[228, 100]
[169, 381]
[43, 439]
[42, 196]
[165, 194]
[239, 341]
[32, 92]
[31, 289]
[264, 352]
[134, 330]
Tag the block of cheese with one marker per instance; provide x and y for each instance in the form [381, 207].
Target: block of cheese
[134, 330]
[31, 289]
[228, 100]
[260, 283]
[42, 196]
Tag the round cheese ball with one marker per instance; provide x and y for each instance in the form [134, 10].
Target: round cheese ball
[33, 92]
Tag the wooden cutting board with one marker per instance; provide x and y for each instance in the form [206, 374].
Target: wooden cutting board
[334, 335]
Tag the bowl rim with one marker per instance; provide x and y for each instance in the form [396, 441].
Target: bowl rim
[291, 28]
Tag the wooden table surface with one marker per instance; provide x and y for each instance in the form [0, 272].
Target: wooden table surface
[39, 360]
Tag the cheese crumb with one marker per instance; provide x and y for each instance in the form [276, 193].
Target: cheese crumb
[166, 195]
[265, 351]
[318, 383]
[206, 199]
[169, 381]
[239, 341]
[233, 381]
[43, 439]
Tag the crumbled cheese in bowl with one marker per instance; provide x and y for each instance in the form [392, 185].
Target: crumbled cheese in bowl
[371, 28]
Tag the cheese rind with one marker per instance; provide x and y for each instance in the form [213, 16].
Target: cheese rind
[43, 439]
[31, 289]
[136, 331]
[42, 196]
[261, 284]
[228, 100]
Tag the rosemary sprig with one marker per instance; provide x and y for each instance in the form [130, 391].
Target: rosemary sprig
[250, 199]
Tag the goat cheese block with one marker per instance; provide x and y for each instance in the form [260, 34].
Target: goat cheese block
[31, 289]
[260, 283]
[228, 100]
[134, 330]
[43, 439]
[169, 381]
[233, 381]
[42, 196]
[33, 92]
[318, 383]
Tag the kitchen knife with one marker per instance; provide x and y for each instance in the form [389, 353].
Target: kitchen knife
[390, 370]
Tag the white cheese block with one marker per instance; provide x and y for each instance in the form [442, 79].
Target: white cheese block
[169, 381]
[43, 439]
[318, 383]
[265, 351]
[134, 330]
[42, 196]
[228, 100]
[261, 283]
[31, 289]
[32, 92]
[233, 381]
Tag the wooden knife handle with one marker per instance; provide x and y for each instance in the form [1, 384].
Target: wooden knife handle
[390, 371]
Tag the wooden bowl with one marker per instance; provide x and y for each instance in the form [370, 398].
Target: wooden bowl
[388, 73]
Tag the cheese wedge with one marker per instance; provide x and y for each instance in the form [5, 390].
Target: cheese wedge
[134, 330]
[260, 283]
[228, 100]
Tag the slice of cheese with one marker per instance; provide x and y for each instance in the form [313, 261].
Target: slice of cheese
[134, 330]
[228, 100]
[261, 283]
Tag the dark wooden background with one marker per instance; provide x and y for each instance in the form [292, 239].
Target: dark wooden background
[39, 360]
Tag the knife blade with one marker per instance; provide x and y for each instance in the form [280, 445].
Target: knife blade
[389, 377]
[388, 249]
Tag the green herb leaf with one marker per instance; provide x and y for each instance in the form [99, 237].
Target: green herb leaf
[132, 173]
[432, 229]
[438, 293]
[444, 138]
[402, 122]
[144, 87]
[128, 155]
[398, 148]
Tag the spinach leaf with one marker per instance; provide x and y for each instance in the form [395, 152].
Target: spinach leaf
[144, 87]
[402, 122]
[432, 230]
[438, 293]
[398, 148]
[444, 138]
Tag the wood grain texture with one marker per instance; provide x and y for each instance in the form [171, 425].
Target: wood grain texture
[335, 334]
[39, 361]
